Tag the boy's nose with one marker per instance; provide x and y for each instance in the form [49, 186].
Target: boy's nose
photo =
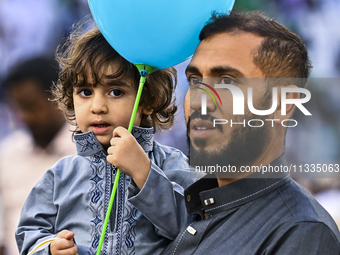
[99, 105]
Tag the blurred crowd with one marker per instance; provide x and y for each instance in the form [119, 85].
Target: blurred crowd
[33, 28]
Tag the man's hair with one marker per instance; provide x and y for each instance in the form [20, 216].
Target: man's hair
[83, 54]
[281, 54]
[42, 69]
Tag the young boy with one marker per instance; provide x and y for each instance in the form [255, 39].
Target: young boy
[96, 90]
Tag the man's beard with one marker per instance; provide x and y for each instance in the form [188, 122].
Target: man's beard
[245, 145]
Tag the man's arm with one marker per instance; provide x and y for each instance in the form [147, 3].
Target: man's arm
[307, 238]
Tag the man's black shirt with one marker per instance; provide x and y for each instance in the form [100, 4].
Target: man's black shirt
[256, 216]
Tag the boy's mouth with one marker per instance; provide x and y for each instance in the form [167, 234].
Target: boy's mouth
[100, 124]
[99, 127]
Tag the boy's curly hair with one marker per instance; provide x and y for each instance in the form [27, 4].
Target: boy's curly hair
[88, 51]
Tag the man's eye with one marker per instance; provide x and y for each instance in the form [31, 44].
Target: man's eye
[227, 80]
[194, 81]
[116, 92]
[85, 92]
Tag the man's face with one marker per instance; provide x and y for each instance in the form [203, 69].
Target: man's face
[41, 116]
[224, 58]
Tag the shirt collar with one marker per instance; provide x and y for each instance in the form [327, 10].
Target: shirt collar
[87, 143]
[205, 195]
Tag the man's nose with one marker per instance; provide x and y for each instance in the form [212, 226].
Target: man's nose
[99, 104]
[201, 100]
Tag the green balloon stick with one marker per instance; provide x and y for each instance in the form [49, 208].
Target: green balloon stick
[144, 70]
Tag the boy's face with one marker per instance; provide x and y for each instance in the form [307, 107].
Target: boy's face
[102, 108]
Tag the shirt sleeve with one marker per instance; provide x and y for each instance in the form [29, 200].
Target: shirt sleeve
[37, 218]
[161, 200]
[307, 238]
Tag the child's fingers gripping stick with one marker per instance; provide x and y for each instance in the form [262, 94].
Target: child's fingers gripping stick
[126, 154]
[120, 132]
[64, 245]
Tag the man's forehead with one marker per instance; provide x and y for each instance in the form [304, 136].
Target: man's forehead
[237, 35]
[230, 41]
[234, 50]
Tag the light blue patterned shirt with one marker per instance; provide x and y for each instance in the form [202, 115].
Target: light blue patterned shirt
[74, 195]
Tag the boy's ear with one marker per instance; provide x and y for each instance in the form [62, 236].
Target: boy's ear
[147, 111]
[289, 107]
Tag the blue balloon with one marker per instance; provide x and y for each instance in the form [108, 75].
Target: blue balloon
[161, 33]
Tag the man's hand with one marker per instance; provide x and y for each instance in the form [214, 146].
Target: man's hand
[128, 156]
[65, 245]
[2, 250]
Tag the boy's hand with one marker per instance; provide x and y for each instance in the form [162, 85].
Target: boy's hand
[65, 245]
[128, 156]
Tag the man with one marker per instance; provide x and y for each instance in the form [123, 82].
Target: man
[242, 212]
[28, 152]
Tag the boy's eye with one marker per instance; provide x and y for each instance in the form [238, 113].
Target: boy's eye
[116, 92]
[85, 92]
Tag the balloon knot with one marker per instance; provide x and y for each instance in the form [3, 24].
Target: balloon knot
[143, 73]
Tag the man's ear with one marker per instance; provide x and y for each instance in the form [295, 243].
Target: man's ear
[289, 107]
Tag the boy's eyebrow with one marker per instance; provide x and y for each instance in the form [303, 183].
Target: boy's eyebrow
[115, 82]
[107, 82]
